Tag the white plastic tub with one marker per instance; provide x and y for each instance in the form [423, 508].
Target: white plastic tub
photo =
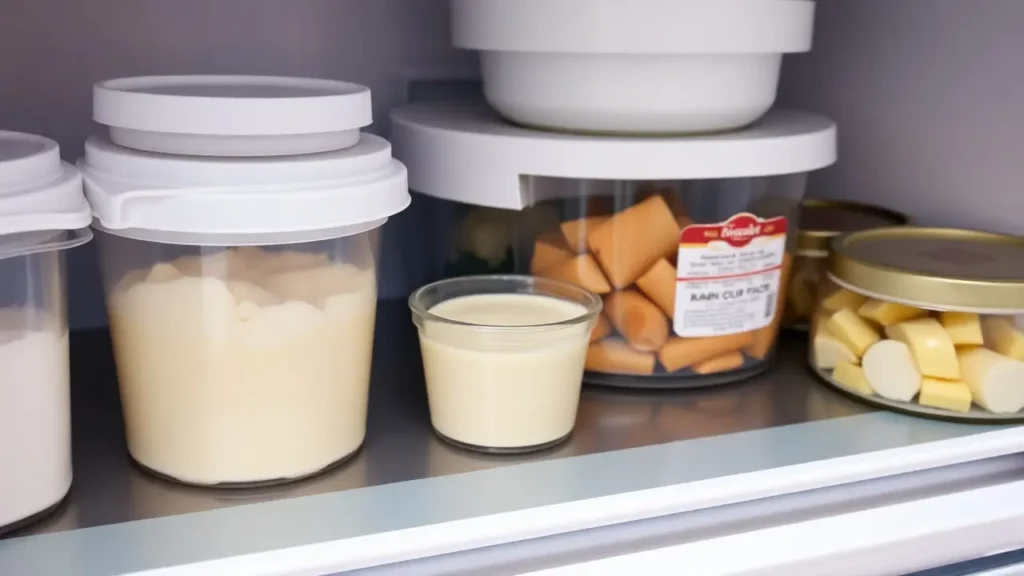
[42, 213]
[643, 66]
[241, 292]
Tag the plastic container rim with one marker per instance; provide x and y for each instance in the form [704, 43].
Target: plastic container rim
[509, 284]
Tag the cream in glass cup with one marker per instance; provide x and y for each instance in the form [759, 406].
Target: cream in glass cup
[503, 357]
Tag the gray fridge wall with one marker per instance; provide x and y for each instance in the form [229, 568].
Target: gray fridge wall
[926, 92]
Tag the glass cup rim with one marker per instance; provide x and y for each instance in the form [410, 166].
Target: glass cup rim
[589, 300]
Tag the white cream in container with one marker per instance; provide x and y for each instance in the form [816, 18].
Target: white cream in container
[240, 269]
[503, 359]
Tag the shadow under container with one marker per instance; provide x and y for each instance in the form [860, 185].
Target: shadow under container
[820, 222]
[925, 321]
[503, 359]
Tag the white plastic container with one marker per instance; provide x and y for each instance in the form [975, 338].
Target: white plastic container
[241, 293]
[666, 230]
[42, 213]
[642, 66]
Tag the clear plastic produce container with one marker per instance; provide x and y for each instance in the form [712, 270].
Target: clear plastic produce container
[503, 358]
[925, 321]
[820, 222]
[691, 273]
[687, 240]
[241, 290]
[42, 213]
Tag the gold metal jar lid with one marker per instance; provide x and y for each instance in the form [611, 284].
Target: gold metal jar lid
[942, 268]
[823, 220]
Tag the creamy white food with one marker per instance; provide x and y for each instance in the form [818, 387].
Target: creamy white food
[504, 389]
[35, 415]
[245, 365]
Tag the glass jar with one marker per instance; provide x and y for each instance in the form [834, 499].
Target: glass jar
[503, 358]
[924, 321]
[820, 222]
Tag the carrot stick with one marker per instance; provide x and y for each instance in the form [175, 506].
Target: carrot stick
[549, 250]
[601, 329]
[723, 363]
[617, 357]
[639, 321]
[575, 231]
[681, 353]
[581, 271]
[659, 284]
[631, 242]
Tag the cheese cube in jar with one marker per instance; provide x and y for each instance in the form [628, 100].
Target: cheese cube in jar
[933, 335]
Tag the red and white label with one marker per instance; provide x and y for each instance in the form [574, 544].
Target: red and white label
[727, 278]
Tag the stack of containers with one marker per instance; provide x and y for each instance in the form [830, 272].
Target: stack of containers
[630, 151]
[42, 213]
[237, 220]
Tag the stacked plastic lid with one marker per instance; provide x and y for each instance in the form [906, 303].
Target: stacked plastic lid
[41, 202]
[637, 67]
[238, 160]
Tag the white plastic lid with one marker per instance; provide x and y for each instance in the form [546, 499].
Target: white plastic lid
[237, 201]
[466, 153]
[232, 115]
[38, 192]
[634, 26]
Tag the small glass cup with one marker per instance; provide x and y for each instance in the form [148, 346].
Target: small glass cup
[503, 357]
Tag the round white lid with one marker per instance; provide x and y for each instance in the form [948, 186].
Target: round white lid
[38, 192]
[232, 115]
[634, 26]
[235, 201]
[466, 153]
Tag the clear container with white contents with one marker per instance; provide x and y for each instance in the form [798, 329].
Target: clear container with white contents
[240, 270]
[42, 213]
[925, 321]
[241, 364]
[503, 358]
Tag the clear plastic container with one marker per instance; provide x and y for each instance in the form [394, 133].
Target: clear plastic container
[503, 358]
[245, 364]
[820, 222]
[240, 270]
[925, 321]
[714, 321]
[646, 223]
[42, 214]
[35, 407]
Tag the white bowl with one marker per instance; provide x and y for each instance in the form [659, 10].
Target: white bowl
[645, 66]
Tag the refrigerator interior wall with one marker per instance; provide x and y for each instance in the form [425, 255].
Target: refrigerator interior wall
[926, 92]
[52, 51]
